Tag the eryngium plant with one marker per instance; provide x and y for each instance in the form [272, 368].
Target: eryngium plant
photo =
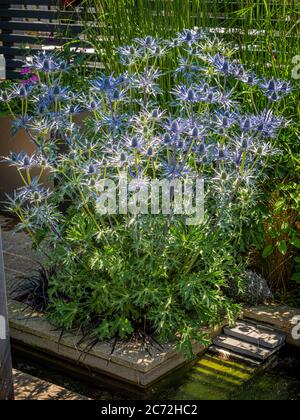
[120, 274]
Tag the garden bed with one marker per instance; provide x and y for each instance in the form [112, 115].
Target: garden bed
[128, 362]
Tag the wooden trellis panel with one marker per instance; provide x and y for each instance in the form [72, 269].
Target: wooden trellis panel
[45, 23]
[33, 23]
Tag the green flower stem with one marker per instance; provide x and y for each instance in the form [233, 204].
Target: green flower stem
[11, 111]
[28, 176]
[22, 177]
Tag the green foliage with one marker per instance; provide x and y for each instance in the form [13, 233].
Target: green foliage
[296, 275]
[281, 239]
[4, 86]
[121, 285]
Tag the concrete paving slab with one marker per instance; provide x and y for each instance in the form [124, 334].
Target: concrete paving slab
[28, 387]
[243, 348]
[282, 318]
[255, 335]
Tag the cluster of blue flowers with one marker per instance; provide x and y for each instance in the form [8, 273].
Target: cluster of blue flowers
[203, 130]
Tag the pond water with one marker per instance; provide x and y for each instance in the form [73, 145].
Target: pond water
[212, 378]
[209, 378]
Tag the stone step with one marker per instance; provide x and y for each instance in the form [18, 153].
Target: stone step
[226, 354]
[263, 337]
[244, 348]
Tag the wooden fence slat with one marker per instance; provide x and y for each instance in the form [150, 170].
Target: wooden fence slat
[60, 2]
[19, 51]
[13, 75]
[38, 14]
[12, 63]
[23, 23]
[34, 40]
[7, 43]
[41, 27]
[33, 2]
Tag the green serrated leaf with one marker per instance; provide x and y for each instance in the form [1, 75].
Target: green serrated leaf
[279, 206]
[285, 226]
[282, 247]
[267, 251]
[296, 277]
[296, 243]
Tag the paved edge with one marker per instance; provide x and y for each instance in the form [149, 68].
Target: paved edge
[28, 387]
[128, 363]
[283, 319]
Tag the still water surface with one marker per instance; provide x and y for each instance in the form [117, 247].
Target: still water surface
[210, 378]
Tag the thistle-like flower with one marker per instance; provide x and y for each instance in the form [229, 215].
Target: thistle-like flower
[189, 36]
[70, 109]
[106, 84]
[186, 68]
[175, 170]
[264, 149]
[198, 131]
[22, 91]
[208, 94]
[146, 81]
[21, 123]
[176, 126]
[221, 154]
[250, 78]
[186, 94]
[247, 124]
[114, 123]
[47, 62]
[34, 192]
[91, 103]
[275, 89]
[148, 42]
[117, 157]
[159, 51]
[56, 93]
[226, 100]
[267, 124]
[157, 115]
[221, 64]
[130, 54]
[134, 143]
[117, 95]
[242, 142]
[21, 160]
[91, 169]
[223, 120]
[7, 96]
